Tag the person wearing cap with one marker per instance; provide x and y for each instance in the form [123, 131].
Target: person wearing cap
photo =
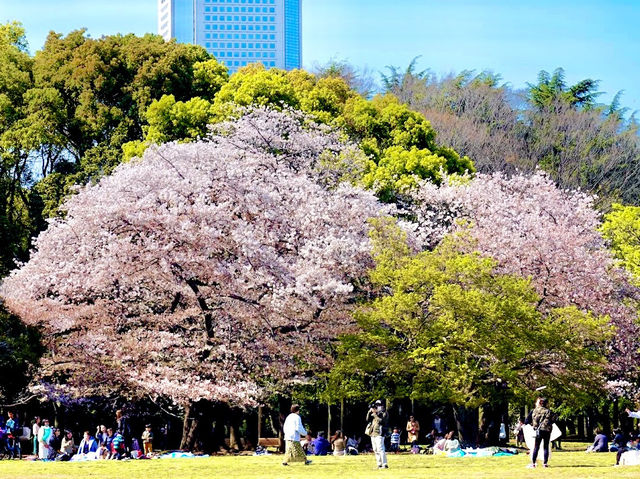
[377, 418]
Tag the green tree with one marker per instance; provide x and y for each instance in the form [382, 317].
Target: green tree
[399, 142]
[552, 89]
[20, 351]
[16, 79]
[447, 327]
[621, 227]
[90, 97]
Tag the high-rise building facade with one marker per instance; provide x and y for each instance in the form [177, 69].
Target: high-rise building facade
[237, 32]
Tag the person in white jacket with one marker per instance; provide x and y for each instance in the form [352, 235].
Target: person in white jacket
[293, 429]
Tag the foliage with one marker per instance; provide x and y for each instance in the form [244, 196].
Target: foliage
[15, 80]
[535, 230]
[552, 125]
[205, 270]
[86, 97]
[621, 228]
[552, 89]
[400, 142]
[358, 79]
[449, 327]
[20, 351]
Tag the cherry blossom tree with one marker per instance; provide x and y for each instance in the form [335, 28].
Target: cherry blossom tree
[535, 230]
[203, 271]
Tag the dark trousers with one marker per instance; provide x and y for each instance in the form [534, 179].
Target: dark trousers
[543, 436]
[619, 454]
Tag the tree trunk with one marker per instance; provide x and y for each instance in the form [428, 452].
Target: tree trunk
[189, 427]
[606, 420]
[580, 426]
[235, 419]
[196, 426]
[466, 424]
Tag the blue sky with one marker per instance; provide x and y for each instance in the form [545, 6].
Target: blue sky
[516, 38]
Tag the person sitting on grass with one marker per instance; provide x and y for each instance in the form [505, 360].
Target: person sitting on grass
[431, 438]
[307, 445]
[87, 449]
[451, 443]
[619, 440]
[67, 447]
[352, 446]
[321, 446]
[56, 442]
[338, 444]
[600, 444]
[118, 448]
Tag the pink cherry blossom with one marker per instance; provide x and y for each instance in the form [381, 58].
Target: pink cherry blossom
[538, 231]
[207, 270]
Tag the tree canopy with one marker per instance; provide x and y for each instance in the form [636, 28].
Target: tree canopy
[449, 327]
[209, 270]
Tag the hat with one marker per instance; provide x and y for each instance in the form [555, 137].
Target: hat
[379, 402]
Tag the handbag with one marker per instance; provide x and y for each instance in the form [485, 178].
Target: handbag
[369, 429]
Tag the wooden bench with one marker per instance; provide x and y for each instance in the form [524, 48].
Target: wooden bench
[268, 442]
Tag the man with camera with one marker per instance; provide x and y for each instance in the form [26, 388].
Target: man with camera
[377, 418]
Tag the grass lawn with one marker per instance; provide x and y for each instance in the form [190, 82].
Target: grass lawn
[564, 464]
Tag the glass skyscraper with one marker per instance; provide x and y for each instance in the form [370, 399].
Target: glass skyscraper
[237, 32]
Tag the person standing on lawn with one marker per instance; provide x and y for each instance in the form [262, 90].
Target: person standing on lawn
[35, 430]
[377, 418]
[542, 421]
[413, 431]
[292, 429]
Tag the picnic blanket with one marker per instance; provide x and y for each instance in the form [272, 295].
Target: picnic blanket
[483, 452]
[180, 455]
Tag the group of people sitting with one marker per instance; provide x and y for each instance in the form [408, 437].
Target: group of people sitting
[621, 442]
[338, 445]
[55, 444]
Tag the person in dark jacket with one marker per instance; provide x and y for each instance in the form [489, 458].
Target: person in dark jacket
[122, 428]
[542, 421]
